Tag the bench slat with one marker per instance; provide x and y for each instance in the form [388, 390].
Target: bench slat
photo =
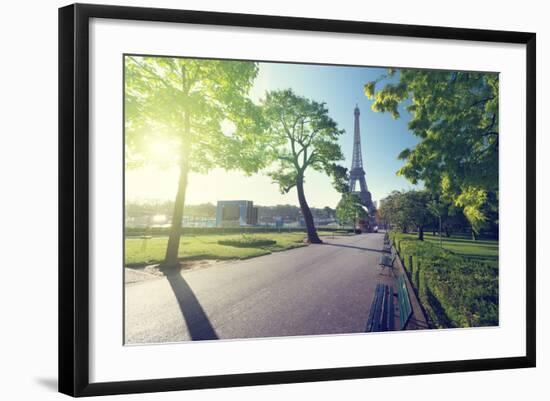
[405, 308]
[381, 314]
[389, 309]
[378, 307]
[370, 320]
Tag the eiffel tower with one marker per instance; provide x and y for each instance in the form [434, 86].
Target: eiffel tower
[357, 174]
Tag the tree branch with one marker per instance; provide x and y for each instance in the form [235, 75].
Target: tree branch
[487, 130]
[482, 101]
[152, 73]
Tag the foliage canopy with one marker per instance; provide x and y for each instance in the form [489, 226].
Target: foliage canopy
[199, 107]
[455, 115]
[350, 209]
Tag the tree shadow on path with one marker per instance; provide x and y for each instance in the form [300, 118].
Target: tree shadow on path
[354, 247]
[194, 315]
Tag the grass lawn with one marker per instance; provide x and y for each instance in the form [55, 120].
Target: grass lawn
[482, 250]
[140, 251]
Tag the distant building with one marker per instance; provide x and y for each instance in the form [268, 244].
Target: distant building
[236, 213]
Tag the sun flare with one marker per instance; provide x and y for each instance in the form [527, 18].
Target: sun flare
[161, 150]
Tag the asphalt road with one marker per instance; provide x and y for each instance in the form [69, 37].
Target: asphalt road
[319, 289]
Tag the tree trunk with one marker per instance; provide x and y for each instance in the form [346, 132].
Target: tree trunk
[474, 235]
[421, 233]
[312, 236]
[172, 249]
[440, 234]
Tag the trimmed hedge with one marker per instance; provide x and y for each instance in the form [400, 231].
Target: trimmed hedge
[455, 291]
[247, 242]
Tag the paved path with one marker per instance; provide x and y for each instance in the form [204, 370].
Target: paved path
[319, 289]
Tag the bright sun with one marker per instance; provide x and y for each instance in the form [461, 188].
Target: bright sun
[162, 150]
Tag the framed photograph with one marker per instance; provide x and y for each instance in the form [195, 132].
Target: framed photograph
[250, 199]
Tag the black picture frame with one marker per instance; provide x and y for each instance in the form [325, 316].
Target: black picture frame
[74, 198]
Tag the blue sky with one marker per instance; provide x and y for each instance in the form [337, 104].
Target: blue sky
[341, 88]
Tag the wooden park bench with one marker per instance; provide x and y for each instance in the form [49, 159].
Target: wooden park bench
[387, 260]
[387, 243]
[381, 314]
[405, 308]
[382, 311]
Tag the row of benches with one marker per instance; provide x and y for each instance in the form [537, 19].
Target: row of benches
[382, 311]
[387, 260]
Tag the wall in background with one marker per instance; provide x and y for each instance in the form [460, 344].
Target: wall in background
[28, 200]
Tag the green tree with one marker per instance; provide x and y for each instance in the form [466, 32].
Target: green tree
[302, 135]
[350, 209]
[408, 208]
[455, 115]
[438, 209]
[392, 211]
[455, 221]
[328, 212]
[480, 208]
[199, 109]
[415, 209]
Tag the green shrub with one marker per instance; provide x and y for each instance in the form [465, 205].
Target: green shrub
[454, 290]
[415, 271]
[248, 242]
